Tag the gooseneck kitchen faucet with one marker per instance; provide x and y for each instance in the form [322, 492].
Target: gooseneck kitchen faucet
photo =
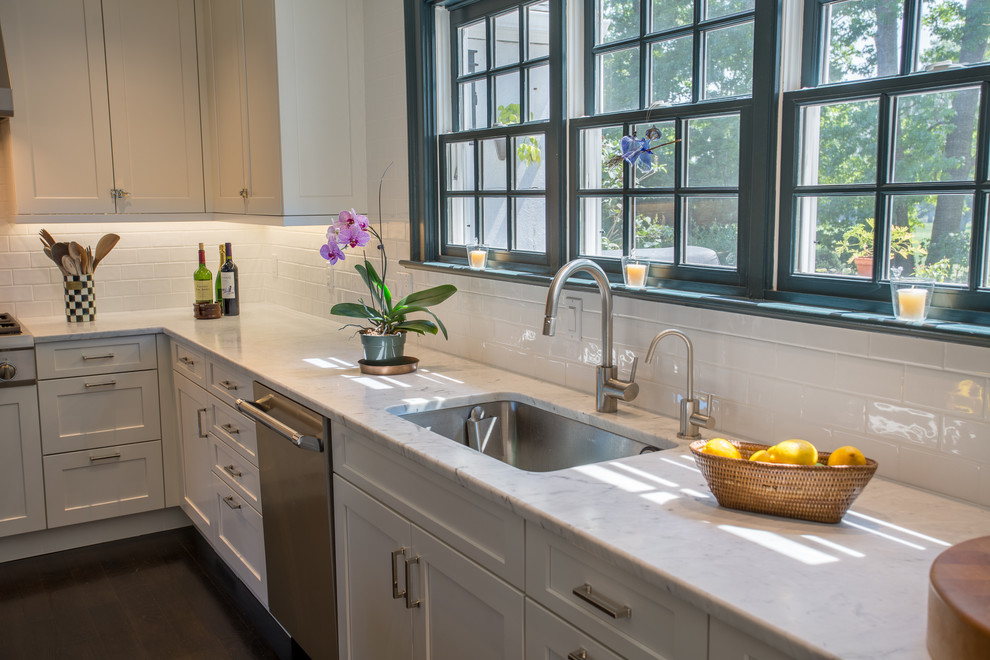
[691, 418]
[608, 387]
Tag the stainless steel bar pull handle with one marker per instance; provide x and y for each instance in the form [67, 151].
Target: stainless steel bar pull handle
[227, 385]
[580, 654]
[396, 594]
[599, 602]
[199, 421]
[229, 501]
[186, 361]
[232, 471]
[93, 459]
[109, 383]
[256, 411]
[108, 356]
[230, 428]
[409, 603]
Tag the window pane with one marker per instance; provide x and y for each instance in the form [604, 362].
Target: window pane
[952, 33]
[460, 166]
[661, 174]
[538, 93]
[600, 224]
[531, 224]
[598, 147]
[493, 165]
[936, 136]
[474, 48]
[839, 143]
[862, 39]
[713, 151]
[538, 30]
[729, 61]
[653, 230]
[460, 220]
[671, 64]
[716, 8]
[618, 80]
[712, 227]
[507, 38]
[930, 236]
[474, 104]
[507, 99]
[531, 173]
[617, 19]
[667, 14]
[496, 211]
[834, 235]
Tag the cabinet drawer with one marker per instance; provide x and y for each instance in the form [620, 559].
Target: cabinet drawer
[190, 362]
[648, 622]
[548, 637]
[103, 483]
[241, 539]
[62, 359]
[236, 472]
[236, 429]
[229, 383]
[728, 643]
[489, 534]
[99, 411]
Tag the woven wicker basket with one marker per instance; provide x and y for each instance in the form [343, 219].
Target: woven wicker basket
[809, 492]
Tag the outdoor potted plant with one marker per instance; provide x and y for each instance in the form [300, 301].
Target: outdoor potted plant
[857, 242]
[383, 333]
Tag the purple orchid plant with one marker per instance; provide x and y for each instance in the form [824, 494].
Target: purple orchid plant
[353, 230]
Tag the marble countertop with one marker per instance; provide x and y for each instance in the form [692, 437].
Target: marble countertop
[854, 590]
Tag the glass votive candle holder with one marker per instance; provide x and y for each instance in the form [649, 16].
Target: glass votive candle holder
[911, 296]
[477, 255]
[634, 271]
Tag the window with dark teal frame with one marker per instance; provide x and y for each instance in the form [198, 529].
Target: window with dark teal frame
[889, 151]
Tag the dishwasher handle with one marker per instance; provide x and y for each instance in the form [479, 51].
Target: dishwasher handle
[256, 411]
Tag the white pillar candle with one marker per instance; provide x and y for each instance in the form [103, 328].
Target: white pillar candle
[911, 304]
[477, 258]
[635, 275]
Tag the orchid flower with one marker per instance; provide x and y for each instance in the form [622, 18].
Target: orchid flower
[353, 236]
[332, 252]
[352, 218]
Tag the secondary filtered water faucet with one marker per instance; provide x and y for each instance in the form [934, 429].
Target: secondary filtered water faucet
[691, 419]
[608, 388]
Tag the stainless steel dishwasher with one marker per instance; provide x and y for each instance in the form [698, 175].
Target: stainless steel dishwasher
[294, 459]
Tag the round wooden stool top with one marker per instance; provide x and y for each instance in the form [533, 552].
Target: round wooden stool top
[959, 602]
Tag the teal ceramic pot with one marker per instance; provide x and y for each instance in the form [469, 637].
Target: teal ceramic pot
[383, 348]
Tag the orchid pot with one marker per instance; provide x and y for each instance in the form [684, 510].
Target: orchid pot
[383, 348]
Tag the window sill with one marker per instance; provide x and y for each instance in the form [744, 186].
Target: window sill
[790, 310]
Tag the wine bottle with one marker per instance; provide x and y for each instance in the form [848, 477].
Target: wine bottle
[228, 278]
[203, 280]
[223, 258]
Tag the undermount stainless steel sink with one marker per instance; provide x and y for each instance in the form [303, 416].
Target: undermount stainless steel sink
[530, 438]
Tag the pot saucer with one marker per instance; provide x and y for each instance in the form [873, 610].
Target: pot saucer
[403, 365]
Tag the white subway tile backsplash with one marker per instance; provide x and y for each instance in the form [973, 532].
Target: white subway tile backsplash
[966, 438]
[945, 390]
[967, 359]
[787, 425]
[947, 474]
[899, 423]
[907, 350]
[806, 366]
[833, 409]
[874, 378]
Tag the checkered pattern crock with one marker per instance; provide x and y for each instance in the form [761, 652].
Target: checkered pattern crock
[80, 298]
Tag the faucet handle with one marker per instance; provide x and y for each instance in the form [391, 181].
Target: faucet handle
[704, 420]
[632, 372]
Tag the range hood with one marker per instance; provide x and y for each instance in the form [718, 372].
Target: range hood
[6, 98]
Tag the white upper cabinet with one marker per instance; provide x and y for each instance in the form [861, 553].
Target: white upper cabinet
[107, 106]
[284, 113]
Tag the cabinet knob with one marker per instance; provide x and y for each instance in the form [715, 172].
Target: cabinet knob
[244, 193]
[118, 193]
[7, 371]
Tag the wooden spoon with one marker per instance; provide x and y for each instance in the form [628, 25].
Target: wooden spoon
[103, 247]
[78, 254]
[60, 250]
[69, 265]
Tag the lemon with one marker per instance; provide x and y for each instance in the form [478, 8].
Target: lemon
[721, 447]
[797, 452]
[761, 456]
[846, 456]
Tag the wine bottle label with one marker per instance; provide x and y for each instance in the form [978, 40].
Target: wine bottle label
[204, 290]
[227, 286]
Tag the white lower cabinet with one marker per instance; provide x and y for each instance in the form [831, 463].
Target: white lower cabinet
[193, 406]
[402, 593]
[240, 538]
[22, 504]
[548, 637]
[94, 484]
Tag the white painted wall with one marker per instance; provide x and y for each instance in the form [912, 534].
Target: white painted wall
[920, 407]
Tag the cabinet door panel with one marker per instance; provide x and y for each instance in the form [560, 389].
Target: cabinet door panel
[193, 406]
[728, 643]
[22, 489]
[264, 152]
[98, 411]
[371, 623]
[241, 539]
[62, 359]
[154, 105]
[548, 637]
[61, 134]
[465, 611]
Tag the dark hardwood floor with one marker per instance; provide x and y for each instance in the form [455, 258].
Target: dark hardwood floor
[155, 596]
